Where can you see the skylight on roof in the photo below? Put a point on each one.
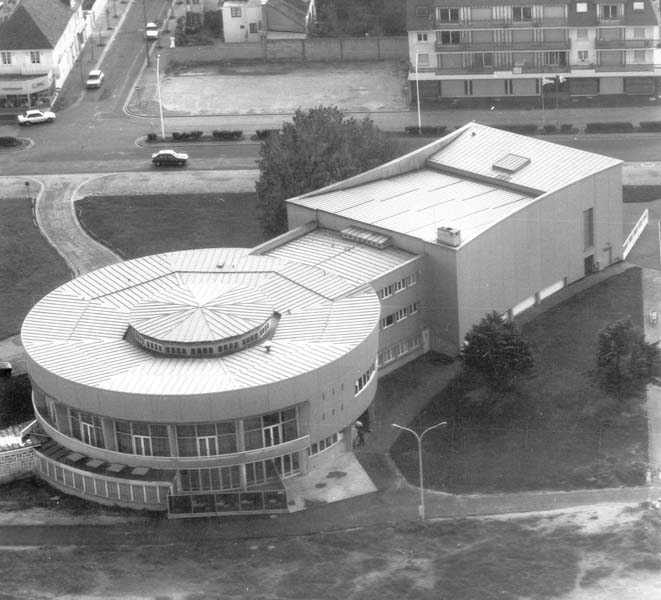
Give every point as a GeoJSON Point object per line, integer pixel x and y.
{"type": "Point", "coordinates": [511, 163]}
{"type": "Point", "coordinates": [356, 234]}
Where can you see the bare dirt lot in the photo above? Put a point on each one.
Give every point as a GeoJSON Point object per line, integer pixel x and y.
{"type": "Point", "coordinates": [250, 89]}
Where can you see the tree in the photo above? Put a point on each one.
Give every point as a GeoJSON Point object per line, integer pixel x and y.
{"type": "Point", "coordinates": [623, 356]}
{"type": "Point", "coordinates": [496, 348]}
{"type": "Point", "coordinates": [315, 149]}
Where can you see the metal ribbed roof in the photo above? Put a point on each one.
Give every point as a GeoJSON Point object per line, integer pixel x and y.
{"type": "Point", "coordinates": [77, 332]}
{"type": "Point", "coordinates": [352, 260]}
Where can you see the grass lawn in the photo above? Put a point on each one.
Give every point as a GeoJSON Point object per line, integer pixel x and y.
{"type": "Point", "coordinates": [557, 429]}
{"type": "Point", "coordinates": [29, 266]}
{"type": "Point", "coordinates": [152, 224]}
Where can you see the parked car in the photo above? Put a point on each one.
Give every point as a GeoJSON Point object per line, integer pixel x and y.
{"type": "Point", "coordinates": [5, 369]}
{"type": "Point", "coordinates": [36, 116]}
{"type": "Point", "coordinates": [94, 79]}
{"type": "Point", "coordinates": [169, 157]}
{"type": "Point", "coordinates": [151, 31]}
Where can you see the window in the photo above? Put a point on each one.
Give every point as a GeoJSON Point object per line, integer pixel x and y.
{"type": "Point", "coordinates": [142, 439]}
{"type": "Point", "coordinates": [468, 87]}
{"type": "Point", "coordinates": [364, 379]}
{"type": "Point", "coordinates": [450, 37]}
{"type": "Point", "coordinates": [638, 6]}
{"type": "Point", "coordinates": [639, 33]}
{"type": "Point", "coordinates": [235, 11]}
{"type": "Point", "coordinates": [388, 321]}
{"type": "Point", "coordinates": [581, 7]}
{"type": "Point", "coordinates": [555, 58]}
{"type": "Point", "coordinates": [421, 11]}
{"type": "Point", "coordinates": [609, 11]}
{"type": "Point", "coordinates": [448, 15]}
{"type": "Point", "coordinates": [583, 56]}
{"type": "Point", "coordinates": [35, 57]}
{"type": "Point", "coordinates": [208, 439]}
{"type": "Point", "coordinates": [509, 86]}
{"type": "Point", "coordinates": [218, 478]}
{"type": "Point", "coordinates": [588, 229]}
{"type": "Point", "coordinates": [521, 13]}
{"type": "Point", "coordinates": [581, 34]}
{"type": "Point", "coordinates": [5, 57]}
{"type": "Point", "coordinates": [253, 27]}
{"type": "Point", "coordinates": [270, 429]}
{"type": "Point", "coordinates": [639, 56]}
{"type": "Point", "coordinates": [423, 60]}
{"type": "Point", "coordinates": [87, 428]}
{"type": "Point", "coordinates": [422, 37]}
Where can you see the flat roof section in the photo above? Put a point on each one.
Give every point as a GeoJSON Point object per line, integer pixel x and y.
{"type": "Point", "coordinates": [420, 202]}
{"type": "Point", "coordinates": [330, 251]}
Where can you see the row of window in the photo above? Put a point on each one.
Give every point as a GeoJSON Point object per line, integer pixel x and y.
{"type": "Point", "coordinates": [364, 379]}
{"type": "Point", "coordinates": [324, 444]}
{"type": "Point", "coordinates": [209, 439]}
{"type": "Point", "coordinates": [398, 286]}
{"type": "Point", "coordinates": [400, 315]}
{"type": "Point", "coordinates": [6, 57]}
{"type": "Point", "coordinates": [400, 349]}
{"type": "Point", "coordinates": [521, 14]}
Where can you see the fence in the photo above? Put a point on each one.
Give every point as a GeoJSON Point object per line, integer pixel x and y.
{"type": "Point", "coordinates": [305, 50]}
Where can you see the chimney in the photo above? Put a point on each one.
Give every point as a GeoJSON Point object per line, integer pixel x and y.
{"type": "Point", "coordinates": [448, 236]}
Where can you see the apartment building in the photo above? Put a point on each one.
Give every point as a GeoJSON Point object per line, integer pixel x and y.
{"type": "Point", "coordinates": [483, 48]}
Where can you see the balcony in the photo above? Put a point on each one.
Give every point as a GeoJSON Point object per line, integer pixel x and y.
{"type": "Point", "coordinates": [515, 69]}
{"type": "Point", "coordinates": [625, 68]}
{"type": "Point", "coordinates": [504, 23]}
{"type": "Point", "coordinates": [623, 44]}
{"type": "Point", "coordinates": [502, 47]}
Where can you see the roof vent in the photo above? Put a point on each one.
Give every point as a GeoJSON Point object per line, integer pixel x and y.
{"type": "Point", "coordinates": [356, 234]}
{"type": "Point", "coordinates": [449, 236]}
{"type": "Point", "coordinates": [511, 163]}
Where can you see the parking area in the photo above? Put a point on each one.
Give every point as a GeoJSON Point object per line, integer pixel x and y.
{"type": "Point", "coordinates": [273, 88]}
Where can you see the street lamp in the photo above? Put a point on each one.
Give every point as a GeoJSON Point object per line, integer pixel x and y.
{"type": "Point", "coordinates": [417, 92]}
{"type": "Point", "coordinates": [144, 17]}
{"type": "Point", "coordinates": [114, 5]}
{"type": "Point", "coordinates": [419, 436]}
{"type": "Point", "coordinates": [158, 89]}
{"type": "Point", "coordinates": [27, 190]}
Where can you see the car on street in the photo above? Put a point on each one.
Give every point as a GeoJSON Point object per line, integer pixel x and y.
{"type": "Point", "coordinates": [35, 116]}
{"type": "Point", "coordinates": [5, 369]}
{"type": "Point", "coordinates": [169, 157]}
{"type": "Point", "coordinates": [151, 31]}
{"type": "Point", "coordinates": [94, 79]}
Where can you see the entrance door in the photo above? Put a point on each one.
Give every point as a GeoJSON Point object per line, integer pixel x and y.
{"type": "Point", "coordinates": [588, 263]}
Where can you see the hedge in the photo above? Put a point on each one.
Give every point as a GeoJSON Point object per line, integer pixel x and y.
{"type": "Point", "coordinates": [8, 141]}
{"type": "Point", "coordinates": [262, 134]}
{"type": "Point", "coordinates": [224, 134]}
{"type": "Point", "coordinates": [650, 125]}
{"type": "Point", "coordinates": [522, 128]}
{"type": "Point", "coordinates": [427, 130]}
{"type": "Point", "coordinates": [609, 127]}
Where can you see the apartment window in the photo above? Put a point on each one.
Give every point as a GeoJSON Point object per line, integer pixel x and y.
{"type": "Point", "coordinates": [422, 11]}
{"type": "Point", "coordinates": [5, 57]}
{"type": "Point", "coordinates": [450, 37]}
{"type": "Point", "coordinates": [253, 27]}
{"type": "Point", "coordinates": [588, 229]}
{"type": "Point", "coordinates": [609, 11]}
{"type": "Point", "coordinates": [388, 321]}
{"type": "Point", "coordinates": [509, 87]}
{"type": "Point", "coordinates": [468, 87]}
{"type": "Point", "coordinates": [582, 56]}
{"type": "Point", "coordinates": [639, 56]}
{"type": "Point", "coordinates": [638, 6]}
{"type": "Point", "coordinates": [422, 37]}
{"type": "Point", "coordinates": [521, 14]}
{"type": "Point", "coordinates": [639, 33]}
{"type": "Point", "coordinates": [555, 58]}
{"type": "Point", "coordinates": [581, 34]}
{"type": "Point", "coordinates": [35, 57]}
{"type": "Point", "coordinates": [423, 60]}
{"type": "Point", "coordinates": [448, 15]}
{"type": "Point", "coordinates": [581, 7]}
{"type": "Point", "coordinates": [235, 12]}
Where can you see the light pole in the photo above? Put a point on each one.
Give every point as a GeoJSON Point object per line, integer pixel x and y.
{"type": "Point", "coordinates": [27, 190]}
{"type": "Point", "coordinates": [419, 436]}
{"type": "Point", "coordinates": [417, 92]}
{"type": "Point", "coordinates": [158, 89]}
{"type": "Point", "coordinates": [114, 5]}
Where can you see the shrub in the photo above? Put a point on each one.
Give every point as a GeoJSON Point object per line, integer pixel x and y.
{"type": "Point", "coordinates": [224, 134]}
{"type": "Point", "coordinates": [176, 135]}
{"type": "Point", "coordinates": [262, 134]}
{"type": "Point", "coordinates": [521, 128]}
{"type": "Point", "coordinates": [152, 137]}
{"type": "Point", "coordinates": [426, 130]}
{"type": "Point", "coordinates": [196, 134]}
{"type": "Point", "coordinates": [8, 141]}
{"type": "Point", "coordinates": [566, 128]}
{"type": "Point", "coordinates": [550, 129]}
{"type": "Point", "coordinates": [650, 125]}
{"type": "Point", "coordinates": [609, 127]}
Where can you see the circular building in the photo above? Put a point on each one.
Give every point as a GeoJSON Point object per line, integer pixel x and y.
{"type": "Point", "coordinates": [198, 382]}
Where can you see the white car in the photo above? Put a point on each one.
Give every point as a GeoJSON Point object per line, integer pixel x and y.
{"type": "Point", "coordinates": [169, 157]}
{"type": "Point", "coordinates": [151, 31]}
{"type": "Point", "coordinates": [35, 116]}
{"type": "Point", "coordinates": [94, 79]}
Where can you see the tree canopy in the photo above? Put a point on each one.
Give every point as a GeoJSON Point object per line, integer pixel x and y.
{"type": "Point", "coordinates": [623, 356]}
{"type": "Point", "coordinates": [317, 148]}
{"type": "Point", "coordinates": [496, 348]}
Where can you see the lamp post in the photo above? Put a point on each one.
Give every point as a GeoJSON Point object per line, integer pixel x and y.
{"type": "Point", "coordinates": [158, 89]}
{"type": "Point", "coordinates": [417, 92]}
{"type": "Point", "coordinates": [114, 6]}
{"type": "Point", "coordinates": [27, 190]}
{"type": "Point", "coordinates": [419, 436]}
{"type": "Point", "coordinates": [144, 17]}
